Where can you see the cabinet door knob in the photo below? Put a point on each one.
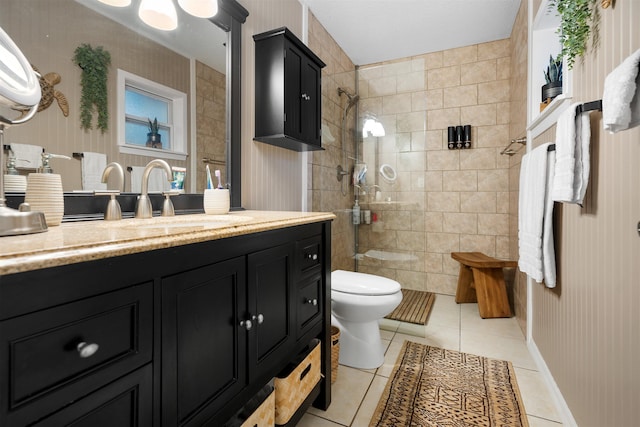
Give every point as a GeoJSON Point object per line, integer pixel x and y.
{"type": "Point", "coordinates": [247, 324]}
{"type": "Point", "coordinates": [311, 301]}
{"type": "Point", "coordinates": [306, 97]}
{"type": "Point", "coordinates": [312, 256]}
{"type": "Point", "coordinates": [87, 350]}
{"type": "Point", "coordinates": [259, 318]}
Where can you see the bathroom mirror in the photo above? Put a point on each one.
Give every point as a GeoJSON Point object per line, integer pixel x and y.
{"type": "Point", "coordinates": [49, 32]}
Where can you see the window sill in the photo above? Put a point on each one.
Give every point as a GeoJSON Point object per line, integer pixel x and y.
{"type": "Point", "coordinates": [152, 152]}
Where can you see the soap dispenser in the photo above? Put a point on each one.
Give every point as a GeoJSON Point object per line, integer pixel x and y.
{"type": "Point", "coordinates": [13, 181]}
{"type": "Point", "coordinates": [356, 213]}
{"type": "Point", "coordinates": [44, 191]}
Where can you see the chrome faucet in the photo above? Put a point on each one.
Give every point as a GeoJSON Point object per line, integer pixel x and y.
{"type": "Point", "coordinates": [113, 211]}
{"type": "Point", "coordinates": [143, 204]}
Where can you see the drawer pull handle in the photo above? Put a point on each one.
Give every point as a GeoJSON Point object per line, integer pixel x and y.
{"type": "Point", "coordinates": [305, 372]}
{"type": "Point", "coordinates": [259, 318]}
{"type": "Point", "coordinates": [311, 301]}
{"type": "Point", "coordinates": [312, 256]}
{"type": "Point", "coordinates": [87, 350]}
{"type": "Point", "coordinates": [247, 324]}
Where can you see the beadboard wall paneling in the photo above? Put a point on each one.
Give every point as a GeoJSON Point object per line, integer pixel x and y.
{"type": "Point", "coordinates": [272, 177]}
{"type": "Point", "coordinates": [587, 328]}
{"type": "Point", "coordinates": [48, 34]}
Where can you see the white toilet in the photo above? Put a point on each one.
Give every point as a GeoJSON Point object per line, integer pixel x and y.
{"type": "Point", "coordinates": [358, 302]}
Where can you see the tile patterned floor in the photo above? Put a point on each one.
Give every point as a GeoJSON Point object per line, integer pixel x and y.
{"type": "Point", "coordinates": [454, 326]}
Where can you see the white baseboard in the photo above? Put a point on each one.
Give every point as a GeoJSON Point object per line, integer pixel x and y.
{"type": "Point", "coordinates": [561, 404]}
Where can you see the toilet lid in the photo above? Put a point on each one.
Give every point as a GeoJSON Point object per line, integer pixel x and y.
{"type": "Point", "coordinates": [362, 284]}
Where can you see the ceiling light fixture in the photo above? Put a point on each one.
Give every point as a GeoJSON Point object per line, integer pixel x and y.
{"type": "Point", "coordinates": [116, 3]}
{"type": "Point", "coordinates": [372, 126]}
{"type": "Point", "coordinates": [200, 8]}
{"type": "Point", "coordinates": [160, 14]}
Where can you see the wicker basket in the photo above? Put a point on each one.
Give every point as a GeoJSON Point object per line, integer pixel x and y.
{"type": "Point", "coordinates": [293, 389]}
{"type": "Point", "coordinates": [335, 353]}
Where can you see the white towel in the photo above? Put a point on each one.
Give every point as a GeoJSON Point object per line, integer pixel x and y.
{"type": "Point", "coordinates": [93, 164]}
{"type": "Point", "coordinates": [573, 139]}
{"type": "Point", "coordinates": [535, 215]}
{"type": "Point", "coordinates": [621, 97]}
{"type": "Point", "coordinates": [27, 156]}
{"type": "Point", "coordinates": [157, 180]}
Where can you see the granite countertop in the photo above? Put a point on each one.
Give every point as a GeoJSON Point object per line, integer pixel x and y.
{"type": "Point", "coordinates": [76, 242]}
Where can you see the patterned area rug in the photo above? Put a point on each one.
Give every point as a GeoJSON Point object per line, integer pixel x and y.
{"type": "Point", "coordinates": [414, 308]}
{"type": "Point", "coordinates": [430, 386]}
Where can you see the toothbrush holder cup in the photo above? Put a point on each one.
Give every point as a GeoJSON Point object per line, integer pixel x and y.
{"type": "Point", "coordinates": [216, 201]}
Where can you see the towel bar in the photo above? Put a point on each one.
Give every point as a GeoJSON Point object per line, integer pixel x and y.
{"type": "Point", "coordinates": [510, 151]}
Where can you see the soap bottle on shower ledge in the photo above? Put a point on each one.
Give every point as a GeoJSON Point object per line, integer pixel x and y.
{"type": "Point", "coordinates": [356, 213]}
{"type": "Point", "coordinates": [44, 191]}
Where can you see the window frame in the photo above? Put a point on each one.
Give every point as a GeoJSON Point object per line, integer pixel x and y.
{"type": "Point", "coordinates": [179, 124]}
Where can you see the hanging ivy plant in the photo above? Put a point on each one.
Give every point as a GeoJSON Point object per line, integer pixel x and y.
{"type": "Point", "coordinates": [95, 67]}
{"type": "Point", "coordinates": [579, 19]}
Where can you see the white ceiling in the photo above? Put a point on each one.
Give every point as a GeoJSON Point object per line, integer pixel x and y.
{"type": "Point", "coordinates": [372, 31]}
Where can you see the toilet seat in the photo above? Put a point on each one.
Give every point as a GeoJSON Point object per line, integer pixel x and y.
{"type": "Point", "coordinates": [350, 282]}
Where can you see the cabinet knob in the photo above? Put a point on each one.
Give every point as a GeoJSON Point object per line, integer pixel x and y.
{"type": "Point", "coordinates": [311, 301]}
{"type": "Point", "coordinates": [247, 324]}
{"type": "Point", "coordinates": [259, 318]}
{"type": "Point", "coordinates": [306, 97]}
{"type": "Point", "coordinates": [87, 350]}
{"type": "Point", "coordinates": [312, 256]}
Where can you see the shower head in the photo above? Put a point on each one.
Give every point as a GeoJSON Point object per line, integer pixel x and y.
{"type": "Point", "coordinates": [353, 98]}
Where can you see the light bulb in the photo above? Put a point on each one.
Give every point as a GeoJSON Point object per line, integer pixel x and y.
{"type": "Point", "coordinates": [200, 8]}
{"type": "Point", "coordinates": [160, 14]}
{"type": "Point", "coordinates": [116, 3]}
{"type": "Point", "coordinates": [378, 129]}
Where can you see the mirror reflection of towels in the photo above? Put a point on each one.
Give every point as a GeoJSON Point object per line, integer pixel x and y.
{"type": "Point", "coordinates": [27, 156]}
{"type": "Point", "coordinates": [93, 164]}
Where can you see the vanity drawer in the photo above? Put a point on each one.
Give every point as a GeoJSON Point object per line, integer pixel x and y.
{"type": "Point", "coordinates": [309, 303]}
{"type": "Point", "coordinates": [309, 253]}
{"type": "Point", "coordinates": [44, 354]}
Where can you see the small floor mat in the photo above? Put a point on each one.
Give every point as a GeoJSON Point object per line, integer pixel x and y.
{"type": "Point", "coordinates": [414, 308]}
{"type": "Point", "coordinates": [431, 386]}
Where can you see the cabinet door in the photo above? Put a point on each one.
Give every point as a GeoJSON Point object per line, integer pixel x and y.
{"type": "Point", "coordinates": [311, 102]}
{"type": "Point", "coordinates": [125, 403]}
{"type": "Point", "coordinates": [293, 92]}
{"type": "Point", "coordinates": [270, 287]}
{"type": "Point", "coordinates": [203, 352]}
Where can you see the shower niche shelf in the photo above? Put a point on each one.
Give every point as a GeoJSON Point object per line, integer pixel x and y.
{"type": "Point", "coordinates": [287, 92]}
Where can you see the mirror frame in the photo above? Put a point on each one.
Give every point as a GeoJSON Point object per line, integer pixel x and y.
{"type": "Point", "coordinates": [230, 17]}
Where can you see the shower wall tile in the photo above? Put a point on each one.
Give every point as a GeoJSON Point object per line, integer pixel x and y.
{"type": "Point", "coordinates": [502, 202]}
{"type": "Point", "coordinates": [479, 115]}
{"type": "Point", "coordinates": [443, 160]}
{"type": "Point", "coordinates": [450, 265]}
{"type": "Point", "coordinates": [493, 180]}
{"type": "Point", "coordinates": [460, 180]}
{"type": "Point", "coordinates": [412, 279]}
{"type": "Point", "coordinates": [419, 141]}
{"type": "Point", "coordinates": [460, 96]}
{"type": "Point", "coordinates": [443, 201]}
{"type": "Point", "coordinates": [491, 136]}
{"type": "Point", "coordinates": [433, 181]}
{"type": "Point", "coordinates": [442, 283]}
{"type": "Point", "coordinates": [503, 68]}
{"type": "Point", "coordinates": [494, 91]}
{"type": "Point", "coordinates": [443, 243]}
{"type": "Point", "coordinates": [435, 99]}
{"type": "Point", "coordinates": [497, 49]}
{"type": "Point", "coordinates": [412, 161]}
{"type": "Point", "coordinates": [455, 222]}
{"type": "Point", "coordinates": [485, 71]}
{"type": "Point", "coordinates": [433, 60]}
{"type": "Point", "coordinates": [410, 122]}
{"type": "Point", "coordinates": [480, 243]}
{"type": "Point", "coordinates": [461, 55]}
{"type": "Point", "coordinates": [411, 81]}
{"type": "Point", "coordinates": [420, 100]}
{"type": "Point", "coordinates": [478, 158]}
{"type": "Point", "coordinates": [433, 221]}
{"type": "Point", "coordinates": [382, 86]}
{"type": "Point", "coordinates": [440, 119]}
{"type": "Point", "coordinates": [495, 224]}
{"type": "Point", "coordinates": [393, 104]}
{"type": "Point", "coordinates": [435, 140]}
{"type": "Point", "coordinates": [411, 240]}
{"type": "Point", "coordinates": [480, 202]}
{"type": "Point", "coordinates": [433, 262]}
{"type": "Point", "coordinates": [503, 114]}
{"type": "Point", "coordinates": [443, 77]}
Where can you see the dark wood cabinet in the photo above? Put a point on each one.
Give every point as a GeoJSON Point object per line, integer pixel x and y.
{"type": "Point", "coordinates": [288, 92]}
{"type": "Point", "coordinates": [184, 336]}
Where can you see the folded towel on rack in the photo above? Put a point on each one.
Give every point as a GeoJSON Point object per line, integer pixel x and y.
{"type": "Point", "coordinates": [535, 216]}
{"type": "Point", "coordinates": [157, 180]}
{"type": "Point", "coordinates": [621, 97]}
{"type": "Point", "coordinates": [572, 166]}
{"type": "Point", "coordinates": [27, 156]}
{"type": "Point", "coordinates": [93, 164]}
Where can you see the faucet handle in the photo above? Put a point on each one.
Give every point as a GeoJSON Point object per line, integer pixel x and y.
{"type": "Point", "coordinates": [167, 205]}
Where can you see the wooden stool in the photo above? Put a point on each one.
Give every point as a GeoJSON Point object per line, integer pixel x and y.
{"type": "Point", "coordinates": [481, 280]}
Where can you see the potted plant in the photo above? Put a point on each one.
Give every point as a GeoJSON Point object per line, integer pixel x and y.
{"type": "Point", "coordinates": [154, 137]}
{"type": "Point", "coordinates": [579, 20]}
{"type": "Point", "coordinates": [553, 77]}
{"type": "Point", "coordinates": [95, 67]}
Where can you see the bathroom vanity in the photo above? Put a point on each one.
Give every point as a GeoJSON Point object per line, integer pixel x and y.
{"type": "Point", "coordinates": [160, 322]}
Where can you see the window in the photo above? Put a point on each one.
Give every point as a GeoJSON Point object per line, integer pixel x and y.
{"type": "Point", "coordinates": [141, 100]}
